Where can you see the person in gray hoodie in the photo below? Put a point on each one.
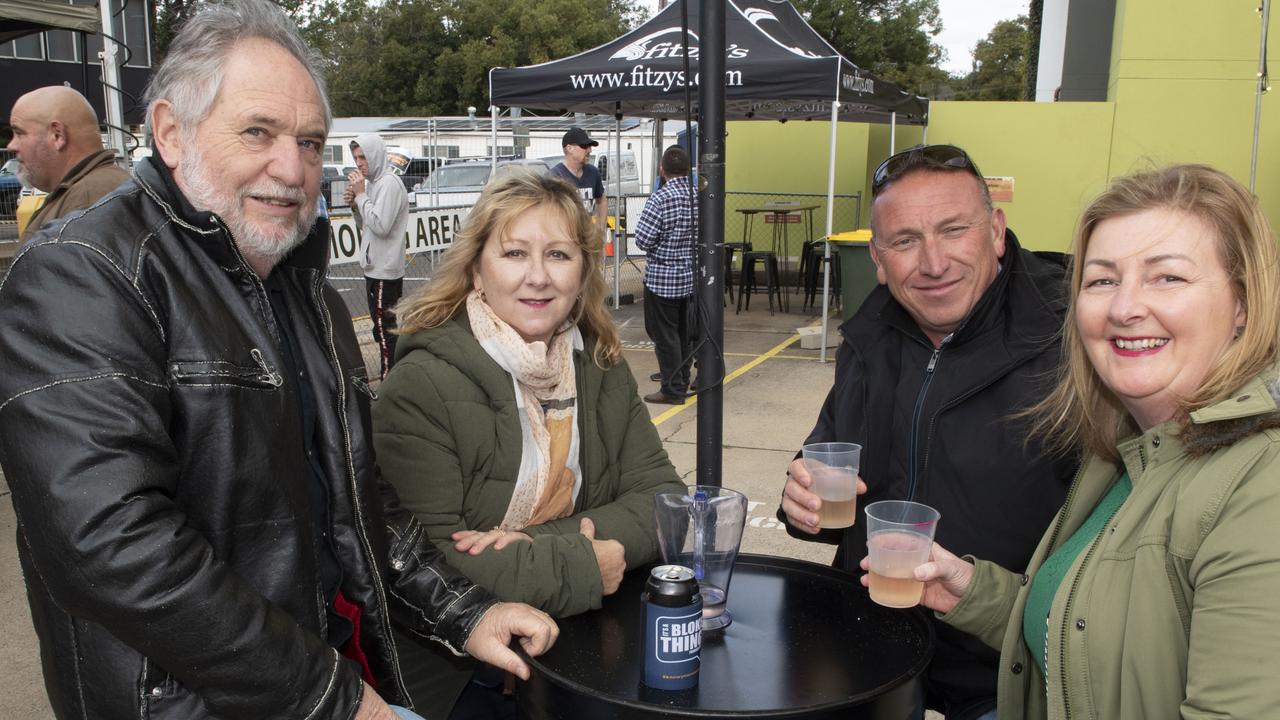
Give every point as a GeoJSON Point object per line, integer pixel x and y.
{"type": "Point", "coordinates": [381, 208]}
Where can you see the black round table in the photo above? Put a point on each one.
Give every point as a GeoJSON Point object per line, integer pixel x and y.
{"type": "Point", "coordinates": [806, 642]}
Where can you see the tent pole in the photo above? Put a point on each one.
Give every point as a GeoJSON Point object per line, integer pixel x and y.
{"type": "Point", "coordinates": [826, 243]}
{"type": "Point", "coordinates": [710, 278]}
{"type": "Point", "coordinates": [493, 138]}
{"type": "Point", "coordinates": [1262, 89]}
{"type": "Point", "coordinates": [893, 133]}
{"type": "Point", "coordinates": [617, 208]}
{"type": "Point", "coordinates": [659, 129]}
{"type": "Point", "coordinates": [111, 82]}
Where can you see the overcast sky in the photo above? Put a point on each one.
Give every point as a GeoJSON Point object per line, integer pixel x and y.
{"type": "Point", "coordinates": [964, 23]}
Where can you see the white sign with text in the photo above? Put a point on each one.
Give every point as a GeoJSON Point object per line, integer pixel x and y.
{"type": "Point", "coordinates": [430, 230]}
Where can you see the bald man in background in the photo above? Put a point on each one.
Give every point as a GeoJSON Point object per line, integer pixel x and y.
{"type": "Point", "coordinates": [56, 138]}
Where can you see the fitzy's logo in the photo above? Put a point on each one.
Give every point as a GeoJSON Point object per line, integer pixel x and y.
{"type": "Point", "coordinates": [657, 45]}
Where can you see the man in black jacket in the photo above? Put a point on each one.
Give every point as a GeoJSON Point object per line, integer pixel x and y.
{"type": "Point", "coordinates": [184, 425]}
{"type": "Point", "coordinates": [962, 334]}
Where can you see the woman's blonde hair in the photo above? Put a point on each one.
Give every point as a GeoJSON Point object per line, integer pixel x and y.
{"type": "Point", "coordinates": [1081, 412]}
{"type": "Point", "coordinates": [501, 202]}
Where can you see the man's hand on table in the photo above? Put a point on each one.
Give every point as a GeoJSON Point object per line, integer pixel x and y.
{"type": "Point", "coordinates": [489, 640]}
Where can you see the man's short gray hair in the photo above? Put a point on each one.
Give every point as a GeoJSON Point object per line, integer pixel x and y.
{"type": "Point", "coordinates": [192, 71]}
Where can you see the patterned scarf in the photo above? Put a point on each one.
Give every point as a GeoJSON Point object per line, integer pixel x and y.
{"type": "Point", "coordinates": [546, 396]}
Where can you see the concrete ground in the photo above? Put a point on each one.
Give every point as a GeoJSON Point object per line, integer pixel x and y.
{"type": "Point", "coordinates": [772, 393]}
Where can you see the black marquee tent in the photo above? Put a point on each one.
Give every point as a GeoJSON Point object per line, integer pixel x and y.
{"type": "Point", "coordinates": [23, 17]}
{"type": "Point", "coordinates": [776, 68]}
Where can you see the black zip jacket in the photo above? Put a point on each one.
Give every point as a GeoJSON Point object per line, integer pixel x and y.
{"type": "Point", "coordinates": [935, 427]}
{"type": "Point", "coordinates": [165, 528]}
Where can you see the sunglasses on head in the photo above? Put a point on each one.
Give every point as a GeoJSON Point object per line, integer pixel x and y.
{"type": "Point", "coordinates": [935, 157]}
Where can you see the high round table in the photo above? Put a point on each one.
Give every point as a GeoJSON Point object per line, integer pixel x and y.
{"type": "Point", "coordinates": [806, 642]}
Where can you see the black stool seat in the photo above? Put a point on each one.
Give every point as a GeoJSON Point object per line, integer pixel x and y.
{"type": "Point", "coordinates": [813, 275]}
{"type": "Point", "coordinates": [729, 249]}
{"type": "Point", "coordinates": [747, 285]}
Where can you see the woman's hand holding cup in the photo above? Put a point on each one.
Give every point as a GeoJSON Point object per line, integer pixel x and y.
{"type": "Point", "coordinates": [946, 579]}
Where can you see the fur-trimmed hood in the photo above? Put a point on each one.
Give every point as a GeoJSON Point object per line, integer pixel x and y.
{"type": "Point", "coordinates": [1251, 409]}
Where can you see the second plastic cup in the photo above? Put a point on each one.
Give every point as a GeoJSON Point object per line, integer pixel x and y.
{"type": "Point", "coordinates": [899, 538]}
{"type": "Point", "coordinates": [833, 467]}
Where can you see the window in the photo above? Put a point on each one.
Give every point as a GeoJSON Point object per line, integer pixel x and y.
{"type": "Point", "coordinates": [502, 150]}
{"type": "Point", "coordinates": [131, 29]}
{"type": "Point", "coordinates": [62, 45]}
{"type": "Point", "coordinates": [134, 20]}
{"type": "Point", "coordinates": [333, 154]}
{"type": "Point", "coordinates": [444, 151]}
{"type": "Point", "coordinates": [26, 48]}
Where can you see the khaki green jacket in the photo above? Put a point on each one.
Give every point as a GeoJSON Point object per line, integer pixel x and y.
{"type": "Point", "coordinates": [447, 436]}
{"type": "Point", "coordinates": [1174, 610]}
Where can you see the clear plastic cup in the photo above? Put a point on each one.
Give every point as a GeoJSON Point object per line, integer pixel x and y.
{"type": "Point", "coordinates": [833, 467]}
{"type": "Point", "coordinates": [899, 538]}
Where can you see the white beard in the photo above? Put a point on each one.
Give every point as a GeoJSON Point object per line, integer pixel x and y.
{"type": "Point", "coordinates": [269, 241]}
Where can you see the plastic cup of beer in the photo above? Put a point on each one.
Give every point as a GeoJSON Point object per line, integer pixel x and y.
{"type": "Point", "coordinates": [899, 538]}
{"type": "Point", "coordinates": [833, 468]}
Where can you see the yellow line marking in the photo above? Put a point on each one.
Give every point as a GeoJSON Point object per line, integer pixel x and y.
{"type": "Point", "coordinates": [730, 377]}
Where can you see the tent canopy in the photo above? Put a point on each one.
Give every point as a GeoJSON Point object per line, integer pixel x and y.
{"type": "Point", "coordinates": [776, 68]}
{"type": "Point", "coordinates": [23, 17]}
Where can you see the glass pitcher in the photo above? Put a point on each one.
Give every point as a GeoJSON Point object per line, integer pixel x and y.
{"type": "Point", "coordinates": [702, 531]}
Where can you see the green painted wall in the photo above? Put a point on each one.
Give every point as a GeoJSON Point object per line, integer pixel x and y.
{"type": "Point", "coordinates": [787, 158]}
{"type": "Point", "coordinates": [1057, 154]}
{"type": "Point", "coordinates": [1182, 89]}
{"type": "Point", "coordinates": [1183, 79]}
{"type": "Point", "coordinates": [768, 156]}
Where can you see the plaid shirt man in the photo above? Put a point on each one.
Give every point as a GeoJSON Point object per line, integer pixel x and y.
{"type": "Point", "coordinates": [665, 234]}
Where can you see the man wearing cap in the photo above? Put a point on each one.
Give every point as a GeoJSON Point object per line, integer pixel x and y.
{"type": "Point", "coordinates": [581, 174]}
{"type": "Point", "coordinates": [961, 334]}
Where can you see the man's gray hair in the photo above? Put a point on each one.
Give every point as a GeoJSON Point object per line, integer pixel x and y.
{"type": "Point", "coordinates": [192, 71]}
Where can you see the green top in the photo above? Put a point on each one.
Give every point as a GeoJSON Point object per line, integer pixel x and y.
{"type": "Point", "coordinates": [1054, 570]}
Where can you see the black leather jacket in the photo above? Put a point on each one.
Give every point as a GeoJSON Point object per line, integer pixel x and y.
{"type": "Point", "coordinates": [936, 426]}
{"type": "Point", "coordinates": [164, 524]}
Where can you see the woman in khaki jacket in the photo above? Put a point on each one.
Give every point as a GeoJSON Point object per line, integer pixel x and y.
{"type": "Point", "coordinates": [1156, 591]}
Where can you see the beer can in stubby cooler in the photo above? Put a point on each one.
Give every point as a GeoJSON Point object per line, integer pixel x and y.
{"type": "Point", "coordinates": [672, 628]}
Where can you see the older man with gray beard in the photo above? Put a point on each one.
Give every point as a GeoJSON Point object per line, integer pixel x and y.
{"type": "Point", "coordinates": [184, 425]}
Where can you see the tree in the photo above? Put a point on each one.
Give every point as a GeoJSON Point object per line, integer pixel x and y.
{"type": "Point", "coordinates": [893, 39]}
{"type": "Point", "coordinates": [1035, 18]}
{"type": "Point", "coordinates": [999, 63]}
{"type": "Point", "coordinates": [430, 57]}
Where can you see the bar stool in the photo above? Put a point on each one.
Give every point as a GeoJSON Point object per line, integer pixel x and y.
{"type": "Point", "coordinates": [806, 259]}
{"type": "Point", "coordinates": [729, 249]}
{"type": "Point", "coordinates": [747, 283]}
{"type": "Point", "coordinates": [813, 276]}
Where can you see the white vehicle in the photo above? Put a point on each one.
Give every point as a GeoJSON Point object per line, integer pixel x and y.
{"type": "Point", "coordinates": [461, 183]}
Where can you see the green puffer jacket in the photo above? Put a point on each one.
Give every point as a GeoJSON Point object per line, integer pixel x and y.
{"type": "Point", "coordinates": [1174, 610]}
{"type": "Point", "coordinates": [447, 435]}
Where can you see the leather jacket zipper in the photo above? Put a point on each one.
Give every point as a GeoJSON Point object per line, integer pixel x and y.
{"type": "Point", "coordinates": [269, 374]}
{"type": "Point", "coordinates": [360, 529]}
